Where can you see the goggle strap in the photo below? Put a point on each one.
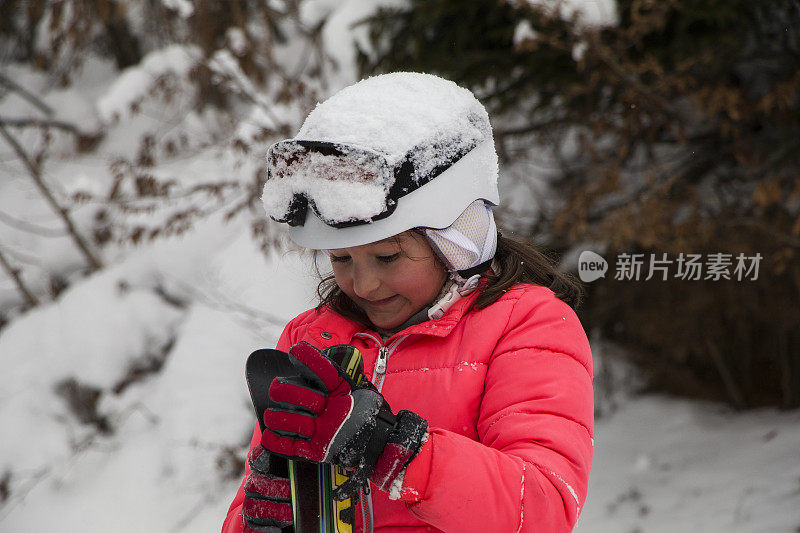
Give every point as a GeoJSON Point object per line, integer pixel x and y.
{"type": "Point", "coordinates": [405, 183]}
{"type": "Point", "coordinates": [477, 269]}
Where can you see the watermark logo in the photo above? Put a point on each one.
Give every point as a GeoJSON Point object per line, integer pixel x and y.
{"type": "Point", "coordinates": [591, 266]}
{"type": "Point", "coordinates": [688, 267]}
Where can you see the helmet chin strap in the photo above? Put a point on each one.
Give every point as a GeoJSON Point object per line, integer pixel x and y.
{"type": "Point", "coordinates": [450, 294]}
{"type": "Point", "coordinates": [455, 292]}
{"type": "Point", "coordinates": [467, 249]}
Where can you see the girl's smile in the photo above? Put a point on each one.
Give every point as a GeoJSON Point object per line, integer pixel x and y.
{"type": "Point", "coordinates": [377, 303]}
{"type": "Point", "coordinates": [390, 279]}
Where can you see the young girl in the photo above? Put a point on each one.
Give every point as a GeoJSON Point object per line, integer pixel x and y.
{"type": "Point", "coordinates": [480, 417]}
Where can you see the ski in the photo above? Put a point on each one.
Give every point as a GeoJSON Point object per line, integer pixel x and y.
{"type": "Point", "coordinates": [261, 368]}
{"type": "Point", "coordinates": [314, 509]}
{"type": "Point", "coordinates": [341, 514]}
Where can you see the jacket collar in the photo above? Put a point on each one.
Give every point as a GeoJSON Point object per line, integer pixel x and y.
{"type": "Point", "coordinates": [342, 330]}
{"type": "Point", "coordinates": [443, 326]}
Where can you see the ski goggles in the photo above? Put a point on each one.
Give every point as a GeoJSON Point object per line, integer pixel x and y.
{"type": "Point", "coordinates": [344, 185]}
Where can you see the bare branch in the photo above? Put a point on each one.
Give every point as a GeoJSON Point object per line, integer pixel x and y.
{"type": "Point", "coordinates": [530, 128]}
{"type": "Point", "coordinates": [631, 81]}
{"type": "Point", "coordinates": [23, 225]}
{"type": "Point", "coordinates": [245, 89]}
{"type": "Point", "coordinates": [84, 140]}
{"type": "Point", "coordinates": [36, 176]}
{"type": "Point", "coordinates": [735, 394]}
{"type": "Point", "coordinates": [27, 95]}
{"type": "Point", "coordinates": [761, 226]}
{"type": "Point", "coordinates": [14, 274]}
{"type": "Point", "coordinates": [40, 123]}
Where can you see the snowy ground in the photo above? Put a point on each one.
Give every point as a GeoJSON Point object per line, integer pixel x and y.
{"type": "Point", "coordinates": [664, 465]}
{"type": "Point", "coordinates": [170, 462]}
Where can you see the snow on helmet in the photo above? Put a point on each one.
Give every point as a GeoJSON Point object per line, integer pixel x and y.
{"type": "Point", "coordinates": [382, 156]}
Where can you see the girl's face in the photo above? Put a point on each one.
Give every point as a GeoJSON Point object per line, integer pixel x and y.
{"type": "Point", "coordinates": [390, 279]}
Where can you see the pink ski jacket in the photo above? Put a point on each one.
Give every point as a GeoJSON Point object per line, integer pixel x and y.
{"type": "Point", "coordinates": [507, 392]}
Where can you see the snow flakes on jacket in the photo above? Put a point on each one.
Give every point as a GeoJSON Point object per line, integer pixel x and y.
{"type": "Point", "coordinates": [507, 391]}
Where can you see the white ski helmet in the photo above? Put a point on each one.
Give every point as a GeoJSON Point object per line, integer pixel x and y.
{"type": "Point", "coordinates": [385, 155]}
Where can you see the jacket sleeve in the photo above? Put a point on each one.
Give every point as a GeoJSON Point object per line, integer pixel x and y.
{"type": "Point", "coordinates": [233, 520]}
{"type": "Point", "coordinates": [530, 469]}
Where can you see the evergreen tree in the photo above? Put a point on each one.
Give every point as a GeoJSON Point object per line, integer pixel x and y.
{"type": "Point", "coordinates": [675, 129]}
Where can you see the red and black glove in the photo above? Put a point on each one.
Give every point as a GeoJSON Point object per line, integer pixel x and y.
{"type": "Point", "coordinates": [323, 416]}
{"type": "Point", "coordinates": [267, 504]}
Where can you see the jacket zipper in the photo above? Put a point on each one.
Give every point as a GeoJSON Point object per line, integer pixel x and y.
{"type": "Point", "coordinates": [380, 364]}
{"type": "Point", "coordinates": [384, 351]}
{"type": "Point", "coordinates": [380, 370]}
{"type": "Point", "coordinates": [366, 517]}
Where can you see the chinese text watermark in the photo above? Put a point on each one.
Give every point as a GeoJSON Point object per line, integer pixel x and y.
{"type": "Point", "coordinates": [689, 267]}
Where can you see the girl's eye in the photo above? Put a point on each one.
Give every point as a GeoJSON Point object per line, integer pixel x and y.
{"type": "Point", "coordinates": [339, 258]}
{"type": "Point", "coordinates": [388, 258]}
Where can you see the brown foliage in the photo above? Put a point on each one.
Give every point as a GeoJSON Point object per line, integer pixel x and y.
{"type": "Point", "coordinates": [675, 130]}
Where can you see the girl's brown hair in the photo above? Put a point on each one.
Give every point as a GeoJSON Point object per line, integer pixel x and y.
{"type": "Point", "coordinates": [517, 261]}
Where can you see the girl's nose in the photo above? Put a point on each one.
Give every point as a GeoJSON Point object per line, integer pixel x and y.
{"type": "Point", "coordinates": [365, 282]}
